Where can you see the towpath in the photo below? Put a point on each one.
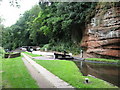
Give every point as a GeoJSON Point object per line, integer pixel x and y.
{"type": "Point", "coordinates": [44, 78]}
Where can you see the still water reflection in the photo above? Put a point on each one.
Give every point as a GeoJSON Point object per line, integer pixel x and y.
{"type": "Point", "coordinates": [107, 72]}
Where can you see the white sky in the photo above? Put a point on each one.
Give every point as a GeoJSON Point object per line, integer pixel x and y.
{"type": "Point", "coordinates": [11, 14]}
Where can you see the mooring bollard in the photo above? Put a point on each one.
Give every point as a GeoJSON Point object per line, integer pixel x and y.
{"type": "Point", "coordinates": [86, 80]}
{"type": "Point", "coordinates": [45, 49]}
{"type": "Point", "coordinates": [81, 53]}
{"type": "Point", "coordinates": [70, 54]}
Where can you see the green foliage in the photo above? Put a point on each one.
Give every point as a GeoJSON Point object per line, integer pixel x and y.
{"type": "Point", "coordinates": [1, 51]}
{"type": "Point", "coordinates": [61, 47]}
{"type": "Point", "coordinates": [48, 46]}
{"type": "Point", "coordinates": [57, 24]}
{"type": "Point", "coordinates": [68, 71]}
{"type": "Point", "coordinates": [61, 25]}
{"type": "Point", "coordinates": [45, 29]}
{"type": "Point", "coordinates": [60, 19]}
{"type": "Point", "coordinates": [23, 33]}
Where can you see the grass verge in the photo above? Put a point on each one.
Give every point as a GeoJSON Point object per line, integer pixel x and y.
{"type": "Point", "coordinates": [33, 55]}
{"type": "Point", "coordinates": [103, 60]}
{"type": "Point", "coordinates": [68, 71]}
{"type": "Point", "coordinates": [16, 75]}
{"type": "Point", "coordinates": [0, 73]}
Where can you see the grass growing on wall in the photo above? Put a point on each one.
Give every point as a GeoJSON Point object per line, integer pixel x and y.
{"type": "Point", "coordinates": [68, 71]}
{"type": "Point", "coordinates": [15, 74]}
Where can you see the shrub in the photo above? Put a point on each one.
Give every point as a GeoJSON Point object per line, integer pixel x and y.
{"type": "Point", "coordinates": [61, 47]}
{"type": "Point", "coordinates": [1, 51]}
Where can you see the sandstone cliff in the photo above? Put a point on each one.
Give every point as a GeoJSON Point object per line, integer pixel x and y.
{"type": "Point", "coordinates": [102, 36]}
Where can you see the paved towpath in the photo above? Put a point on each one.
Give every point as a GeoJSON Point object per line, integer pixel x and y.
{"type": "Point", "coordinates": [43, 53]}
{"type": "Point", "coordinates": [44, 78]}
{"type": "Point", "coordinates": [43, 58]}
{"type": "Point", "coordinates": [41, 81]}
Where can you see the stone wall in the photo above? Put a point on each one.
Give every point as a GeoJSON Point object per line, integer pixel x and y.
{"type": "Point", "coordinates": [102, 35]}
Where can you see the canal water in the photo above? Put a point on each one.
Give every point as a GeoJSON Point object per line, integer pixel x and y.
{"type": "Point", "coordinates": [104, 71]}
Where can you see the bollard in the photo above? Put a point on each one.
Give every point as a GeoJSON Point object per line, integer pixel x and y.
{"type": "Point", "coordinates": [86, 80]}
{"type": "Point", "coordinates": [81, 53]}
{"type": "Point", "coordinates": [45, 49]}
{"type": "Point", "coordinates": [70, 54]}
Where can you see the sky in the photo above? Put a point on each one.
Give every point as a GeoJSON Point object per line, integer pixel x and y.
{"type": "Point", "coordinates": [11, 14]}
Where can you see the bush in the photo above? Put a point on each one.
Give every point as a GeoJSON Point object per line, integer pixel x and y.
{"type": "Point", "coordinates": [1, 51]}
{"type": "Point", "coordinates": [61, 47]}
{"type": "Point", "coordinates": [45, 46]}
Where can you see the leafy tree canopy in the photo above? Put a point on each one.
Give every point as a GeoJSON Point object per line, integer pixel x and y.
{"type": "Point", "coordinates": [52, 23]}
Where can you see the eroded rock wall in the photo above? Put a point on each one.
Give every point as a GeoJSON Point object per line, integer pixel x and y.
{"type": "Point", "coordinates": [101, 38]}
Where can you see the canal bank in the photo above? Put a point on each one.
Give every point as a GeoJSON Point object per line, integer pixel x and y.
{"type": "Point", "coordinates": [48, 80]}
{"type": "Point", "coordinates": [108, 71]}
{"type": "Point", "coordinates": [69, 72]}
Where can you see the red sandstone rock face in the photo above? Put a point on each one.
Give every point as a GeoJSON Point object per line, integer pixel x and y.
{"type": "Point", "coordinates": [102, 36]}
